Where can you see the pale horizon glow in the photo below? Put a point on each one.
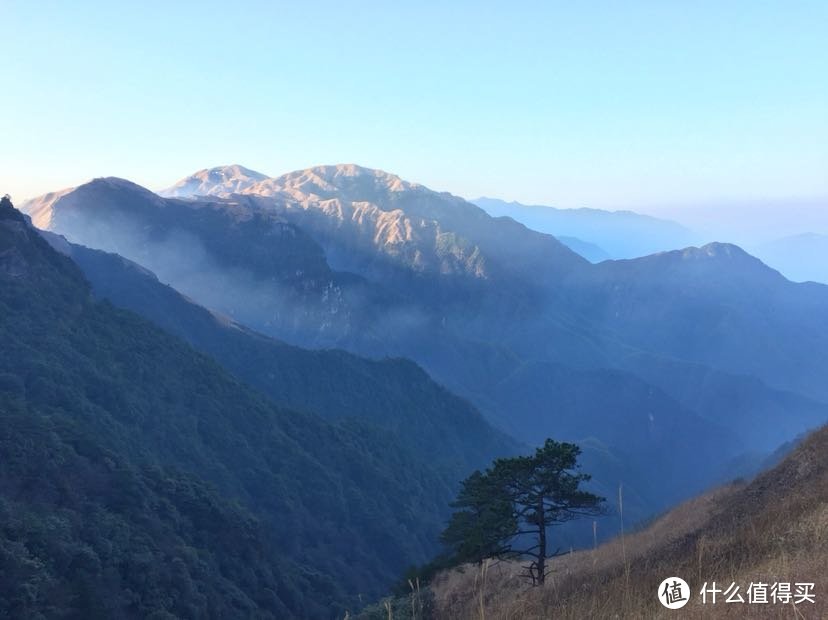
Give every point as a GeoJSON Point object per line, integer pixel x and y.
{"type": "Point", "coordinates": [650, 106]}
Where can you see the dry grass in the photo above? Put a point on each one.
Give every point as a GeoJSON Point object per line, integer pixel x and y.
{"type": "Point", "coordinates": [774, 528]}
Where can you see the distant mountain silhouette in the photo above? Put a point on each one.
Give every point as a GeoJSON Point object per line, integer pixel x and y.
{"type": "Point", "coordinates": [589, 251]}
{"type": "Point", "coordinates": [801, 258]}
{"type": "Point", "coordinates": [621, 234]}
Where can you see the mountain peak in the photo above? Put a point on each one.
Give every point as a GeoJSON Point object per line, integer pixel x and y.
{"type": "Point", "coordinates": [105, 189]}
{"type": "Point", "coordinates": [42, 209]}
{"type": "Point", "coordinates": [345, 171]}
{"type": "Point", "coordinates": [230, 179]}
{"type": "Point", "coordinates": [349, 180]}
{"type": "Point", "coordinates": [115, 183]}
{"type": "Point", "coordinates": [717, 251]}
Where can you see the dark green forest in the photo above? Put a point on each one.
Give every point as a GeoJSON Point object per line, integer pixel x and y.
{"type": "Point", "coordinates": [139, 479]}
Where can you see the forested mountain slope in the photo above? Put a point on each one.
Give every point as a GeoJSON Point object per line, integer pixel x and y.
{"type": "Point", "coordinates": [138, 475]}
{"type": "Point", "coordinates": [394, 394]}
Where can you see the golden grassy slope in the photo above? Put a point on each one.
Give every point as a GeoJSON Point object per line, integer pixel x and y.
{"type": "Point", "coordinates": [773, 529]}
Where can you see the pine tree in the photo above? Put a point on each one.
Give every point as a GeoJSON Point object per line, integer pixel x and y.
{"type": "Point", "coordinates": [517, 500]}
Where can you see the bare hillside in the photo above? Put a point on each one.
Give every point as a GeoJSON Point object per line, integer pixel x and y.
{"type": "Point", "coordinates": [773, 529]}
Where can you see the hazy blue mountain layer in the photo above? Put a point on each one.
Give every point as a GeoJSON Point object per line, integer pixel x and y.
{"type": "Point", "coordinates": [621, 234]}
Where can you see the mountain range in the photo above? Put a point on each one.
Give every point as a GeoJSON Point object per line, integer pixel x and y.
{"type": "Point", "coordinates": [655, 363]}
{"type": "Point", "coordinates": [597, 234]}
{"type": "Point", "coordinates": [141, 478]}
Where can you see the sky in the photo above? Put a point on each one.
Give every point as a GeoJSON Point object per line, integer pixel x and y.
{"type": "Point", "coordinates": [632, 104]}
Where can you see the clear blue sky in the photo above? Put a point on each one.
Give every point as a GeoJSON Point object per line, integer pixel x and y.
{"type": "Point", "coordinates": [570, 103]}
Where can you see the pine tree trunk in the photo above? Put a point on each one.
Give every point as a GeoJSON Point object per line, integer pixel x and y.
{"type": "Point", "coordinates": [541, 543]}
